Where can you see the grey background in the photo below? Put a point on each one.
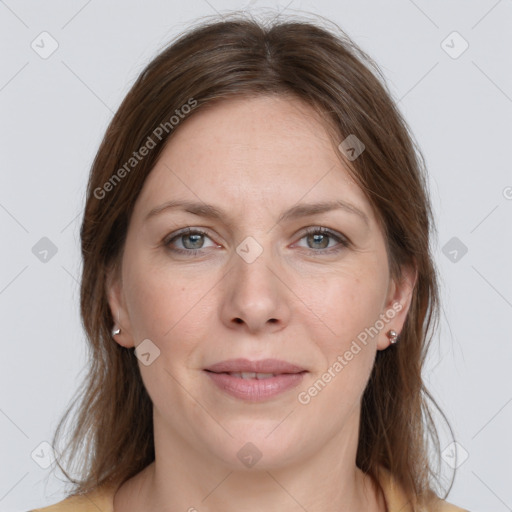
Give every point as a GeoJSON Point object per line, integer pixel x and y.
{"type": "Point", "coordinates": [54, 112]}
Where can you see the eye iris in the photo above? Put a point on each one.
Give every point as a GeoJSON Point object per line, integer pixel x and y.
{"type": "Point", "coordinates": [196, 238]}
{"type": "Point", "coordinates": [319, 238]}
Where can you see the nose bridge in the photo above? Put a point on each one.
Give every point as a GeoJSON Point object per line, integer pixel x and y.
{"type": "Point", "coordinates": [255, 294]}
{"type": "Point", "coordinates": [253, 263]}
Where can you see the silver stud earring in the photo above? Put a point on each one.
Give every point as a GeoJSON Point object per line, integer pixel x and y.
{"type": "Point", "coordinates": [116, 329]}
{"type": "Point", "coordinates": [393, 336]}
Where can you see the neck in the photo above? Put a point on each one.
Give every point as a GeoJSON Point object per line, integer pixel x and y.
{"type": "Point", "coordinates": [183, 478]}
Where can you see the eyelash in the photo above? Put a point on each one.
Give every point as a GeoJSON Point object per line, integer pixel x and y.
{"type": "Point", "coordinates": [343, 241]}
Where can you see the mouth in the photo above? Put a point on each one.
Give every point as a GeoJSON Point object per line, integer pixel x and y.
{"type": "Point", "coordinates": [255, 381]}
{"type": "Point", "coordinates": [261, 367]}
{"type": "Point", "coordinates": [250, 375]}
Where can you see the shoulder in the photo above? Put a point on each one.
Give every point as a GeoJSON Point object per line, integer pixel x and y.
{"type": "Point", "coordinates": [101, 498]}
{"type": "Point", "coordinates": [444, 506]}
{"type": "Point", "coordinates": [397, 500]}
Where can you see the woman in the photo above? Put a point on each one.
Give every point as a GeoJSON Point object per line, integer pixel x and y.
{"type": "Point", "coordinates": [257, 230]}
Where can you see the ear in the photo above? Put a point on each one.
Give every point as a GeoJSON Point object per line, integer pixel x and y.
{"type": "Point", "coordinates": [398, 302]}
{"type": "Point", "coordinates": [117, 303]}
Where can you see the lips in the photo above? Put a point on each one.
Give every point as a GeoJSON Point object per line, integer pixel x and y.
{"type": "Point", "coordinates": [255, 381]}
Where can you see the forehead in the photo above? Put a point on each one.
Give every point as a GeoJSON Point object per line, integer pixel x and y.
{"type": "Point", "coordinates": [269, 148]}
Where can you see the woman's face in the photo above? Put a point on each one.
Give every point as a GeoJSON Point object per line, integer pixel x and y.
{"type": "Point", "coordinates": [261, 274]}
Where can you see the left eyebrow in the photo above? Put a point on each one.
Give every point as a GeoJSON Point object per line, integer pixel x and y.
{"type": "Point", "coordinates": [298, 211]}
{"type": "Point", "coordinates": [309, 209]}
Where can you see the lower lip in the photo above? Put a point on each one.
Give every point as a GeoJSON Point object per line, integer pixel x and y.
{"type": "Point", "coordinates": [254, 390]}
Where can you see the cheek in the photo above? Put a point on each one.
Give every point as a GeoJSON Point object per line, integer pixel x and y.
{"type": "Point", "coordinates": [347, 305]}
{"type": "Point", "coordinates": [347, 308]}
{"type": "Point", "coordinates": [172, 309]}
{"type": "Point", "coordinates": [166, 306]}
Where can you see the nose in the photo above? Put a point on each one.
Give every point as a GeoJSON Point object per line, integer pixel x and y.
{"type": "Point", "coordinates": [255, 298]}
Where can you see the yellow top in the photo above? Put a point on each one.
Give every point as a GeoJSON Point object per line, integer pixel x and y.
{"type": "Point", "coordinates": [102, 499]}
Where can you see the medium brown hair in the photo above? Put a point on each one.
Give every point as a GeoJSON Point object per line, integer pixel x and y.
{"type": "Point", "coordinates": [112, 435]}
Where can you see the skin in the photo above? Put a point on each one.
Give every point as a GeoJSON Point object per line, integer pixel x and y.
{"type": "Point", "coordinates": [303, 300]}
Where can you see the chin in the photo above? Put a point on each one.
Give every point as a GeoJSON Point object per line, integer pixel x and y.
{"type": "Point", "coordinates": [259, 445]}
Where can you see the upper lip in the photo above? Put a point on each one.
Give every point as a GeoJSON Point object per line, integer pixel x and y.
{"type": "Point", "coordinates": [262, 366]}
